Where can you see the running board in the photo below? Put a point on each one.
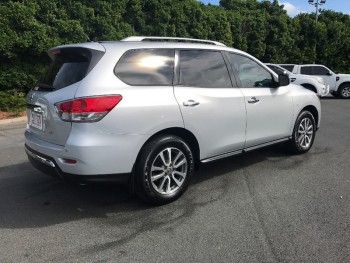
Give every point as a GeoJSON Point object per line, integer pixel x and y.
{"type": "Point", "coordinates": [251, 148]}
{"type": "Point", "coordinates": [217, 157]}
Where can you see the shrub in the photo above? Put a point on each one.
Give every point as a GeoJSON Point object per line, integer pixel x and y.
{"type": "Point", "coordinates": [12, 101]}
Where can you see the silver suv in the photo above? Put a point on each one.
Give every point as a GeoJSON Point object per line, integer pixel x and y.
{"type": "Point", "coordinates": [147, 113]}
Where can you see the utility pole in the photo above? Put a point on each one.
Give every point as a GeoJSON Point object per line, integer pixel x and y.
{"type": "Point", "coordinates": [317, 4]}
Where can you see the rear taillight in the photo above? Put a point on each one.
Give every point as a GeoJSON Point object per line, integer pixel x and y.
{"type": "Point", "coordinates": [88, 109]}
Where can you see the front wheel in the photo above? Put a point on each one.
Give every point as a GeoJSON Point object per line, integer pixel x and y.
{"type": "Point", "coordinates": [164, 169]}
{"type": "Point", "coordinates": [303, 133]}
{"type": "Point", "coordinates": [334, 93]}
{"type": "Point", "coordinates": [344, 91]}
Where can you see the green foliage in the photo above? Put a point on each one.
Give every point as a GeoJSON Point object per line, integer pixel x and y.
{"type": "Point", "coordinates": [28, 28]}
{"type": "Point", "coordinates": [12, 101]}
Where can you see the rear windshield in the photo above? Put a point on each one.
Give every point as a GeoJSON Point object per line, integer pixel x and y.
{"type": "Point", "coordinates": [68, 66]}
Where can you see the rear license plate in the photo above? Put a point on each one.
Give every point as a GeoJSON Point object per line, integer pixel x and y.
{"type": "Point", "coordinates": [36, 120]}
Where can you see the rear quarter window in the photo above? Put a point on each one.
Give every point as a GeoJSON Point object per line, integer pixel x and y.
{"type": "Point", "coordinates": [146, 67]}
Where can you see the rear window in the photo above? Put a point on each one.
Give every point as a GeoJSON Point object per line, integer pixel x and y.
{"type": "Point", "coordinates": [68, 66]}
{"type": "Point", "coordinates": [146, 67]}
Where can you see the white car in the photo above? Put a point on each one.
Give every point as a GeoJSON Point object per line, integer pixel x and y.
{"type": "Point", "coordinates": [313, 83]}
{"type": "Point", "coordinates": [339, 84]}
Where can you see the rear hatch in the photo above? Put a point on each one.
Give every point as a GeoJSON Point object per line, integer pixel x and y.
{"type": "Point", "coordinates": [69, 66]}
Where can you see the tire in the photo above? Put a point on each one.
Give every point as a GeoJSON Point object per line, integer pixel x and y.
{"type": "Point", "coordinates": [303, 133]}
{"type": "Point", "coordinates": [164, 169]}
{"type": "Point", "coordinates": [344, 91]}
{"type": "Point", "coordinates": [334, 93]}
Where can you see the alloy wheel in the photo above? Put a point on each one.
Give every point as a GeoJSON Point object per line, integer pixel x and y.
{"type": "Point", "coordinates": [346, 92]}
{"type": "Point", "coordinates": [305, 133]}
{"type": "Point", "coordinates": [168, 171]}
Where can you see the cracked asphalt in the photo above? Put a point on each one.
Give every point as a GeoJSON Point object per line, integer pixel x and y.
{"type": "Point", "coordinates": [263, 206]}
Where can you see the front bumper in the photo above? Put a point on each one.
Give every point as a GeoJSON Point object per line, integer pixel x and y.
{"type": "Point", "coordinates": [326, 92]}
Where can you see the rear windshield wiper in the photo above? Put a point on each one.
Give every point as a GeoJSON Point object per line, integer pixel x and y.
{"type": "Point", "coordinates": [43, 87]}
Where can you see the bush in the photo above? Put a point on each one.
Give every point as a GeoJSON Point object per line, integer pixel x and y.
{"type": "Point", "coordinates": [12, 101]}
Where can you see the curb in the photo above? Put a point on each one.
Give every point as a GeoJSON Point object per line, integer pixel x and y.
{"type": "Point", "coordinates": [14, 120]}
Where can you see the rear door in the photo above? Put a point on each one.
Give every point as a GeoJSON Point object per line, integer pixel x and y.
{"type": "Point", "coordinates": [59, 83]}
{"type": "Point", "coordinates": [212, 109]}
{"type": "Point", "coordinates": [269, 108]}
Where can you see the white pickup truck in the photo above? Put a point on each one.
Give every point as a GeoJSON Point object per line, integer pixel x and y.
{"type": "Point", "coordinates": [339, 84]}
{"type": "Point", "coordinates": [313, 83]}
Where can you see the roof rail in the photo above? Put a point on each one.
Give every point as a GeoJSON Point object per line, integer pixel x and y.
{"type": "Point", "coordinates": [180, 39]}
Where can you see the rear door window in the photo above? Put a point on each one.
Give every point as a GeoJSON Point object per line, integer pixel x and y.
{"type": "Point", "coordinates": [203, 68]}
{"type": "Point", "coordinates": [146, 67]}
{"type": "Point", "coordinates": [306, 70]}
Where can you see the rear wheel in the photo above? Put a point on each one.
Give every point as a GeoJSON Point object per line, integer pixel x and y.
{"type": "Point", "coordinates": [164, 169]}
{"type": "Point", "coordinates": [303, 133]}
{"type": "Point", "coordinates": [344, 91]}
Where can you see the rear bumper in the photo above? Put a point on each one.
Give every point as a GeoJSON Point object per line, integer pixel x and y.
{"type": "Point", "coordinates": [48, 165]}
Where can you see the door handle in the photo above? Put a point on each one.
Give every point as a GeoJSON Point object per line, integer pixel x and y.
{"type": "Point", "coordinates": [190, 103]}
{"type": "Point", "coordinates": [253, 100]}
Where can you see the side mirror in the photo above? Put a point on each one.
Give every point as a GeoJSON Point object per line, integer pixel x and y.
{"type": "Point", "coordinates": [283, 80]}
{"type": "Point", "coordinates": [329, 73]}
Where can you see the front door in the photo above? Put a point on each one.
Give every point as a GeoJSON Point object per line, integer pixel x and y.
{"type": "Point", "coordinates": [269, 108]}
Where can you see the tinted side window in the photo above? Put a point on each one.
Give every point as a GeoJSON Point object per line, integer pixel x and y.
{"type": "Point", "coordinates": [317, 70]}
{"type": "Point", "coordinates": [201, 68]}
{"type": "Point", "coordinates": [146, 67]}
{"type": "Point", "coordinates": [306, 70]}
{"type": "Point", "coordinates": [250, 73]}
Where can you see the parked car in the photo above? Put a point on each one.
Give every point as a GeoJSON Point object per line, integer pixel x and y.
{"type": "Point", "coordinates": [339, 84]}
{"type": "Point", "coordinates": [147, 113]}
{"type": "Point", "coordinates": [315, 84]}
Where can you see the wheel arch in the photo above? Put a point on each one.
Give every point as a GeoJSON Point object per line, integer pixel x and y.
{"type": "Point", "coordinates": [340, 90]}
{"type": "Point", "coordinates": [309, 87]}
{"type": "Point", "coordinates": [184, 134]}
{"type": "Point", "coordinates": [343, 84]}
{"type": "Point", "coordinates": [313, 111]}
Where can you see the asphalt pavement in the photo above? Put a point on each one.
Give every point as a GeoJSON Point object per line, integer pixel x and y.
{"type": "Point", "coordinates": [263, 206]}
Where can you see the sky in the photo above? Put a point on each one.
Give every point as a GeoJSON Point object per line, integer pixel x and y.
{"type": "Point", "coordinates": [295, 7]}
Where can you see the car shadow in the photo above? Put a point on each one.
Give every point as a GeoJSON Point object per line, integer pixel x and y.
{"type": "Point", "coordinates": [30, 199]}
{"type": "Point", "coordinates": [330, 97]}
